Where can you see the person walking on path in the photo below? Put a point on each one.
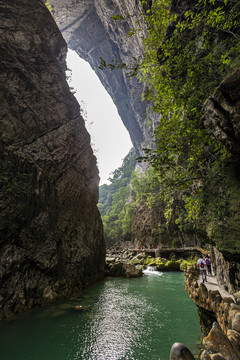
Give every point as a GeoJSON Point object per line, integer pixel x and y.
{"type": "Point", "coordinates": [208, 263]}
{"type": "Point", "coordinates": [202, 267]}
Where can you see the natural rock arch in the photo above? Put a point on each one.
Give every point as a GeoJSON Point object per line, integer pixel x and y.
{"type": "Point", "coordinates": [88, 29]}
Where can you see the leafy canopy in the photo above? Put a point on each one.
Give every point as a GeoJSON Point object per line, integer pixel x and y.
{"type": "Point", "coordinates": [186, 56]}
{"type": "Point", "coordinates": [115, 204]}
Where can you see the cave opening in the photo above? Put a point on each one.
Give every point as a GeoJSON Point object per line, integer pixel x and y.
{"type": "Point", "coordinates": [109, 138]}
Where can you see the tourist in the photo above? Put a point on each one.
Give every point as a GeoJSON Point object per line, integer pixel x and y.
{"type": "Point", "coordinates": [208, 263]}
{"type": "Point", "coordinates": [202, 267]}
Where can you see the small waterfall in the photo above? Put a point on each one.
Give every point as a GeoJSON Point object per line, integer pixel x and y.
{"type": "Point", "coordinates": [152, 270]}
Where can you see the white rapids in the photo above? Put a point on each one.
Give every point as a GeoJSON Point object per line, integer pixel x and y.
{"type": "Point", "coordinates": [151, 270]}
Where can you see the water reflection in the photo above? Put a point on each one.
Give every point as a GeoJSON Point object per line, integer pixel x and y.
{"type": "Point", "coordinates": [117, 323]}
{"type": "Point", "coordinates": [127, 319]}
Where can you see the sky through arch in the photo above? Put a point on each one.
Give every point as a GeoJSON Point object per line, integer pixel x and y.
{"type": "Point", "coordinates": [110, 139]}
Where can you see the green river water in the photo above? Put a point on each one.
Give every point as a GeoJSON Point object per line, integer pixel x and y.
{"type": "Point", "coordinates": [128, 319]}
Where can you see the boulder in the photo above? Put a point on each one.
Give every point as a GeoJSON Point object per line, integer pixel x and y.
{"type": "Point", "coordinates": [124, 270]}
{"type": "Point", "coordinates": [180, 352]}
{"type": "Point", "coordinates": [218, 343]}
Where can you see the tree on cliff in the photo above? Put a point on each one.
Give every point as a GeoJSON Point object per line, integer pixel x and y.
{"type": "Point", "coordinates": [189, 50]}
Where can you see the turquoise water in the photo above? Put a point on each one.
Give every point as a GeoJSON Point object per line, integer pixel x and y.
{"type": "Point", "coordinates": [130, 319]}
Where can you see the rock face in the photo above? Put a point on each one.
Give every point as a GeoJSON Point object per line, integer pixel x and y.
{"type": "Point", "coordinates": [150, 227]}
{"type": "Point", "coordinates": [51, 234]}
{"type": "Point", "coordinates": [180, 352]}
{"type": "Point", "coordinates": [223, 341]}
{"type": "Point", "coordinates": [88, 28]}
{"type": "Point", "coordinates": [121, 269]}
{"type": "Point", "coordinates": [227, 272]}
{"type": "Point", "coordinates": [222, 113]}
{"type": "Point", "coordinates": [148, 223]}
{"type": "Point", "coordinates": [221, 119]}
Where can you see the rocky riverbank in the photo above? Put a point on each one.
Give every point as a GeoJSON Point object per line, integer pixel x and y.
{"type": "Point", "coordinates": [223, 340]}
{"type": "Point", "coordinates": [219, 310]}
{"type": "Point", "coordinates": [141, 259]}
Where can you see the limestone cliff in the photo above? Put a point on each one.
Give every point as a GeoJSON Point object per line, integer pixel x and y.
{"type": "Point", "coordinates": [222, 113]}
{"type": "Point", "coordinates": [221, 119]}
{"type": "Point", "coordinates": [88, 28]}
{"type": "Point", "coordinates": [226, 270]}
{"type": "Point", "coordinates": [51, 234]}
{"type": "Point", "coordinates": [150, 227]}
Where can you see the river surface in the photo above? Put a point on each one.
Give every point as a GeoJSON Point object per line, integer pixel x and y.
{"type": "Point", "coordinates": [127, 319]}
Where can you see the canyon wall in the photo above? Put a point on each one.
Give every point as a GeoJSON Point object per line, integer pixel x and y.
{"type": "Point", "coordinates": [51, 236]}
{"type": "Point", "coordinates": [221, 119]}
{"type": "Point", "coordinates": [89, 29]}
{"type": "Point", "coordinates": [150, 227]}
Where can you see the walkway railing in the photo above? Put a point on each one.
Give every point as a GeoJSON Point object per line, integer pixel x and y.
{"type": "Point", "coordinates": [167, 252]}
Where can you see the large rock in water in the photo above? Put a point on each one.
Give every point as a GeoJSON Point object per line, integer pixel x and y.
{"type": "Point", "coordinates": [180, 352]}
{"type": "Point", "coordinates": [123, 269]}
{"type": "Point", "coordinates": [51, 238]}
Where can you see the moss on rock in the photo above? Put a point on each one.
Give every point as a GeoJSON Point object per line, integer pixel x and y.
{"type": "Point", "coordinates": [169, 265]}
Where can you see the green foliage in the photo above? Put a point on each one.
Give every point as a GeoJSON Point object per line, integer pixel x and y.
{"type": "Point", "coordinates": [131, 70]}
{"type": "Point", "coordinates": [144, 186]}
{"type": "Point", "coordinates": [170, 265]}
{"type": "Point", "coordinates": [185, 59]}
{"type": "Point", "coordinates": [186, 264]}
{"type": "Point", "coordinates": [115, 204]}
{"type": "Point", "coordinates": [150, 261]}
{"type": "Point", "coordinates": [186, 56]}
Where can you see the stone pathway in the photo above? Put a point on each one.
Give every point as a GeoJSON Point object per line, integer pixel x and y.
{"type": "Point", "coordinates": [212, 284]}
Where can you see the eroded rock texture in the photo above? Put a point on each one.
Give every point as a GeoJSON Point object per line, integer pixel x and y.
{"type": "Point", "coordinates": [222, 120]}
{"type": "Point", "coordinates": [150, 227]}
{"type": "Point", "coordinates": [88, 28]}
{"type": "Point", "coordinates": [227, 272]}
{"type": "Point", "coordinates": [222, 113]}
{"type": "Point", "coordinates": [50, 231]}
{"type": "Point", "coordinates": [223, 341]}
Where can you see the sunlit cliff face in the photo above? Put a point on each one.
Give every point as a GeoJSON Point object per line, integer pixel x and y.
{"type": "Point", "coordinates": [88, 28]}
